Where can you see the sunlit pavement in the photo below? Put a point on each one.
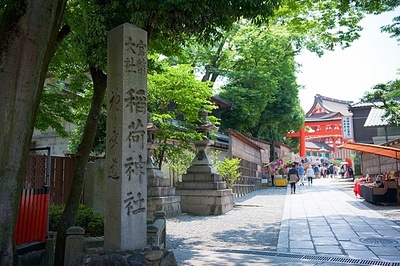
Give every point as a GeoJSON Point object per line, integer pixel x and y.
{"type": "Point", "coordinates": [321, 225]}
{"type": "Point", "coordinates": [321, 220]}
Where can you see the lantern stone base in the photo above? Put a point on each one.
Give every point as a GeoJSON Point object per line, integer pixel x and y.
{"type": "Point", "coordinates": [206, 202]}
{"type": "Point", "coordinates": [204, 193]}
{"type": "Point", "coordinates": [170, 204]}
{"type": "Point", "coordinates": [162, 197]}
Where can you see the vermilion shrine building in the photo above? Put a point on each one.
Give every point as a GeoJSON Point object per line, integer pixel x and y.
{"type": "Point", "coordinates": [328, 124]}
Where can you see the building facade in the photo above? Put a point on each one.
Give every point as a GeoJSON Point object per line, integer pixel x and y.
{"type": "Point", "coordinates": [323, 128]}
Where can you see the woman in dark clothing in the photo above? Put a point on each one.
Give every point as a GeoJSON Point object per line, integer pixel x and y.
{"type": "Point", "coordinates": [293, 177]}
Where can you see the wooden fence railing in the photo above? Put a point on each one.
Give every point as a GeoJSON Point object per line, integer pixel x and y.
{"type": "Point", "coordinates": [60, 180]}
{"type": "Point", "coordinates": [246, 184]}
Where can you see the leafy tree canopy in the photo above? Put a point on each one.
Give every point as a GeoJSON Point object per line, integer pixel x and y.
{"type": "Point", "coordinates": [321, 25]}
{"type": "Point", "coordinates": [175, 98]}
{"type": "Point", "coordinates": [258, 68]}
{"type": "Point", "coordinates": [393, 29]}
{"type": "Point", "coordinates": [386, 97]}
{"type": "Point", "coordinates": [168, 25]}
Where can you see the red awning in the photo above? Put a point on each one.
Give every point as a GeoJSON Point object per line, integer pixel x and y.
{"type": "Point", "coordinates": [374, 149]}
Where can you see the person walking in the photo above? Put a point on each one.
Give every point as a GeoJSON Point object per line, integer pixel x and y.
{"type": "Point", "coordinates": [310, 175]}
{"type": "Point", "coordinates": [316, 171]}
{"type": "Point", "coordinates": [300, 169]}
{"type": "Point", "coordinates": [331, 171]}
{"type": "Point", "coordinates": [351, 172]}
{"type": "Point", "coordinates": [293, 178]}
{"type": "Point", "coordinates": [272, 173]}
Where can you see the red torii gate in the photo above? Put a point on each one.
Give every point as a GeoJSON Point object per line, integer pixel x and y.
{"type": "Point", "coordinates": [322, 130]}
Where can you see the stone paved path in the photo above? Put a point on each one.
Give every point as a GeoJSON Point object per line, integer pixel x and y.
{"type": "Point", "coordinates": [322, 224]}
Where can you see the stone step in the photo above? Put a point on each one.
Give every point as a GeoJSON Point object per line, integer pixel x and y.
{"type": "Point", "coordinates": [160, 191]}
{"type": "Point", "coordinates": [201, 185]}
{"type": "Point", "coordinates": [198, 177]}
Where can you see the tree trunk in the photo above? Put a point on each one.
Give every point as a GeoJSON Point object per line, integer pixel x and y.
{"type": "Point", "coordinates": [82, 157]}
{"type": "Point", "coordinates": [27, 43]}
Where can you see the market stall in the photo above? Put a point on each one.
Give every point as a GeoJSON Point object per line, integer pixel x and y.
{"type": "Point", "coordinates": [278, 166]}
{"type": "Point", "coordinates": [383, 185]}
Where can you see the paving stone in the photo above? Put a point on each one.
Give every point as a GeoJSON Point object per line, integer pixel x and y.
{"type": "Point", "coordinates": [311, 212]}
{"type": "Point", "coordinates": [328, 249]}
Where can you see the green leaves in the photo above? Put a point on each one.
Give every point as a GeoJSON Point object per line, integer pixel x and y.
{"type": "Point", "coordinates": [319, 25]}
{"type": "Point", "coordinates": [176, 92]}
{"type": "Point", "coordinates": [175, 95]}
{"type": "Point", "coordinates": [176, 19]}
{"type": "Point", "coordinates": [228, 169]}
{"type": "Point", "coordinates": [55, 109]}
{"type": "Point", "coordinates": [175, 99]}
{"type": "Point", "coordinates": [386, 97]}
{"type": "Point", "coordinates": [393, 29]}
{"type": "Point", "coordinates": [261, 83]}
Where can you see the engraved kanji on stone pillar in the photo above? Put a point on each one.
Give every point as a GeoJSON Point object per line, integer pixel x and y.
{"type": "Point", "coordinates": [126, 147]}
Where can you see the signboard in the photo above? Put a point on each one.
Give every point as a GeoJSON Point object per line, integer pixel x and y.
{"type": "Point", "coordinates": [347, 127]}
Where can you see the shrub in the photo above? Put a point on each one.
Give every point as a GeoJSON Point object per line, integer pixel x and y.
{"type": "Point", "coordinates": [55, 215]}
{"type": "Point", "coordinates": [93, 223]}
{"type": "Point", "coordinates": [229, 170]}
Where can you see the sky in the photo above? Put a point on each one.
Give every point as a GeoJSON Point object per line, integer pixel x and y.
{"type": "Point", "coordinates": [347, 74]}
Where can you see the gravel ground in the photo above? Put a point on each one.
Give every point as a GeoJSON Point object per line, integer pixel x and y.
{"type": "Point", "coordinates": [254, 222]}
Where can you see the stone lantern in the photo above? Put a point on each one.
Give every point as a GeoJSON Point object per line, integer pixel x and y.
{"type": "Point", "coordinates": [160, 195]}
{"type": "Point", "coordinates": [202, 190]}
{"type": "Point", "coordinates": [202, 163]}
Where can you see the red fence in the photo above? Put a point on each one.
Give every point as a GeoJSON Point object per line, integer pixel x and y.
{"type": "Point", "coordinates": [33, 216]}
{"type": "Point", "coordinates": [47, 182]}
{"type": "Point", "coordinates": [32, 221]}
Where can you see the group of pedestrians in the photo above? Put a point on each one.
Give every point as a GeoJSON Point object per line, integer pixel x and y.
{"type": "Point", "coordinates": [299, 175]}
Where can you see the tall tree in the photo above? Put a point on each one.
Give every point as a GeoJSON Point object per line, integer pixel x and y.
{"type": "Point", "coordinates": [168, 24]}
{"type": "Point", "coordinates": [29, 33]}
{"type": "Point", "coordinates": [258, 69]}
{"type": "Point", "coordinates": [262, 84]}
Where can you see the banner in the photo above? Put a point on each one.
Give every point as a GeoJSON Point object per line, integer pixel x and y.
{"type": "Point", "coordinates": [286, 160]}
{"type": "Point", "coordinates": [313, 160]}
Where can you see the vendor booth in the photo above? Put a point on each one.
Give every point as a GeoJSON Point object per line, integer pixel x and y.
{"type": "Point", "coordinates": [381, 184]}
{"type": "Point", "coordinates": [279, 166]}
{"type": "Point", "coordinates": [314, 160]}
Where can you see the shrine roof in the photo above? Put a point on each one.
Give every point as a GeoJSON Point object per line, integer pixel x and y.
{"type": "Point", "coordinates": [324, 107]}
{"type": "Point", "coordinates": [361, 104]}
{"type": "Point", "coordinates": [376, 118]}
{"type": "Point", "coordinates": [222, 103]}
{"type": "Point", "coordinates": [316, 145]}
{"type": "Point", "coordinates": [318, 118]}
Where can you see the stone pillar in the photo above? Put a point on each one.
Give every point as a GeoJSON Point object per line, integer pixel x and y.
{"type": "Point", "coordinates": [74, 245]}
{"type": "Point", "coordinates": [126, 177]}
